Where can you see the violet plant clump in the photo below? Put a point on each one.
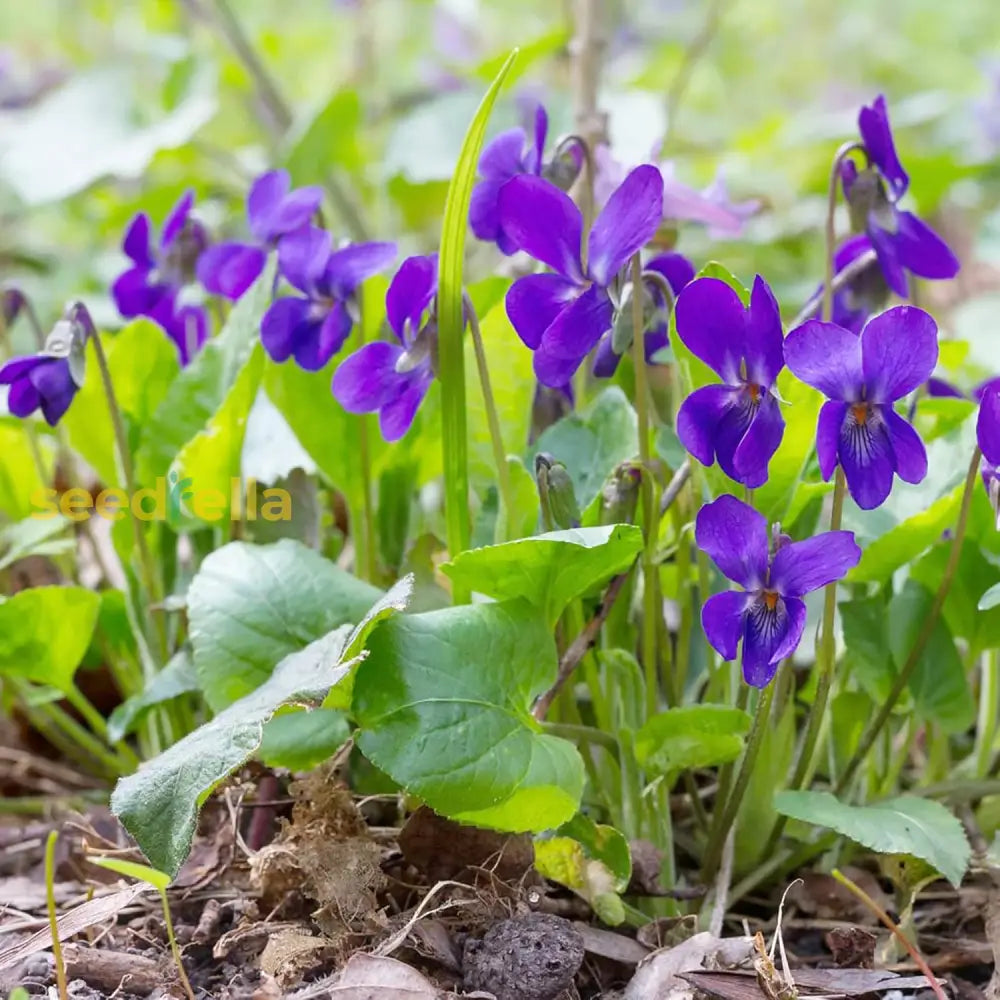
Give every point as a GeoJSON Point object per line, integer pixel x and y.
{"type": "Point", "coordinates": [618, 556]}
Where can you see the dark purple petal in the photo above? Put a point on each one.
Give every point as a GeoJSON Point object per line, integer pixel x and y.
{"type": "Point", "coordinates": [626, 223]}
{"type": "Point", "coordinates": [802, 567]}
{"type": "Point", "coordinates": [484, 210]}
{"type": "Point", "coordinates": [734, 536]}
{"type": "Point", "coordinates": [921, 250]}
{"type": "Point", "coordinates": [769, 635]}
{"type": "Point", "coordinates": [367, 379]}
{"type": "Point", "coordinates": [887, 249]}
{"type": "Point", "coordinates": [730, 433]}
{"type": "Point", "coordinates": [831, 418]}
{"type": "Point", "coordinates": [18, 368]}
{"type": "Point", "coordinates": [175, 221]}
{"type": "Point", "coordinates": [351, 265]}
{"type": "Point", "coordinates": [189, 331]}
{"type": "Point", "coordinates": [942, 388]}
{"type": "Point", "coordinates": [303, 257]}
{"type": "Point", "coordinates": [712, 323]}
{"type": "Point", "coordinates": [55, 386]}
{"type": "Point", "coordinates": [554, 370]}
{"type": "Point", "coordinates": [23, 398]}
{"type": "Point", "coordinates": [848, 175]}
{"type": "Point", "coordinates": [137, 244]}
{"type": "Point", "coordinates": [283, 325]}
{"type": "Point", "coordinates": [911, 456]}
{"type": "Point", "coordinates": [898, 352]}
{"type": "Point", "coordinates": [229, 269]}
{"type": "Point", "coordinates": [655, 340]}
{"type": "Point", "coordinates": [543, 221]}
{"type": "Point", "coordinates": [411, 291]}
{"type": "Point", "coordinates": [605, 359]}
{"type": "Point", "coordinates": [675, 267]}
{"type": "Point", "coordinates": [866, 456]}
{"type": "Point", "coordinates": [827, 357]}
{"type": "Point", "coordinates": [134, 295]}
{"type": "Point", "coordinates": [722, 620]}
{"type": "Point", "coordinates": [313, 349]}
{"type": "Point", "coordinates": [987, 425]}
{"type": "Point", "coordinates": [873, 124]}
{"type": "Point", "coordinates": [396, 416]}
{"type": "Point", "coordinates": [699, 417]}
{"type": "Point", "coordinates": [534, 156]}
{"type": "Point", "coordinates": [533, 302]}
{"type": "Point", "coordinates": [759, 443]}
{"type": "Point", "coordinates": [273, 210]}
{"type": "Point", "coordinates": [265, 195]}
{"type": "Point", "coordinates": [764, 339]}
{"type": "Point", "coordinates": [576, 329]}
{"type": "Point", "coordinates": [501, 158]}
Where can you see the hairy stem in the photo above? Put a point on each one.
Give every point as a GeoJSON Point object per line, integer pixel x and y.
{"type": "Point", "coordinates": [916, 651]}
{"type": "Point", "coordinates": [579, 646]}
{"type": "Point", "coordinates": [150, 578]}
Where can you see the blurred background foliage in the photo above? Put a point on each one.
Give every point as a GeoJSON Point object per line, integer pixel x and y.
{"type": "Point", "coordinates": [108, 107]}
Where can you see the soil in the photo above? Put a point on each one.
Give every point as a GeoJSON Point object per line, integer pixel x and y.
{"type": "Point", "coordinates": [297, 887]}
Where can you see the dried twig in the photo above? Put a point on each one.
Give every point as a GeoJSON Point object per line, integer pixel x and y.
{"type": "Point", "coordinates": [580, 645]}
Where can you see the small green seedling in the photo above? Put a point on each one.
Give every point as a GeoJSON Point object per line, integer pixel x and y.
{"type": "Point", "coordinates": [159, 881]}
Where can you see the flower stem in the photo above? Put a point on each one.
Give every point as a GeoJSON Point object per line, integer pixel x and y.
{"type": "Point", "coordinates": [493, 421]}
{"type": "Point", "coordinates": [986, 731]}
{"type": "Point", "coordinates": [98, 723]}
{"type": "Point", "coordinates": [884, 917]}
{"type": "Point", "coordinates": [916, 651]}
{"type": "Point", "coordinates": [650, 507]}
{"type": "Point", "coordinates": [50, 902]}
{"type": "Point", "coordinates": [825, 663]}
{"type": "Point", "coordinates": [831, 224]}
{"type": "Point", "coordinates": [724, 818]}
{"type": "Point", "coordinates": [150, 579]}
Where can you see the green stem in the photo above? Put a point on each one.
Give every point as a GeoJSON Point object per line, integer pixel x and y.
{"type": "Point", "coordinates": [651, 521]}
{"type": "Point", "coordinates": [98, 723]}
{"type": "Point", "coordinates": [920, 643]}
{"type": "Point", "coordinates": [724, 818]}
{"type": "Point", "coordinates": [582, 734]}
{"type": "Point", "coordinates": [986, 731]}
{"type": "Point", "coordinates": [493, 421]}
{"type": "Point", "coordinates": [826, 661]}
{"type": "Point", "coordinates": [175, 950]}
{"type": "Point", "coordinates": [50, 902]}
{"type": "Point", "coordinates": [150, 579]}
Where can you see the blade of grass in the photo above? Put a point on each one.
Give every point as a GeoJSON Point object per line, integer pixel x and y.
{"type": "Point", "coordinates": [451, 325]}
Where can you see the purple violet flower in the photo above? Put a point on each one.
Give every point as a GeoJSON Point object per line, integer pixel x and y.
{"type": "Point", "coordinates": [394, 378]}
{"type": "Point", "coordinates": [562, 316]}
{"type": "Point", "coordinates": [512, 154]}
{"type": "Point", "coordinates": [769, 614]}
{"type": "Point", "coordinates": [677, 271]}
{"type": "Point", "coordinates": [862, 376]}
{"type": "Point", "coordinates": [313, 326]}
{"type": "Point", "coordinates": [158, 272]}
{"type": "Point", "coordinates": [739, 422]}
{"type": "Point", "coordinates": [273, 211]}
{"type": "Point", "coordinates": [48, 381]}
{"type": "Point", "coordinates": [185, 325]}
{"type": "Point", "coordinates": [902, 241]}
{"type": "Point", "coordinates": [39, 382]}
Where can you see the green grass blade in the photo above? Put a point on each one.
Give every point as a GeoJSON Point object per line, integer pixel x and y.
{"type": "Point", "coordinates": [451, 325]}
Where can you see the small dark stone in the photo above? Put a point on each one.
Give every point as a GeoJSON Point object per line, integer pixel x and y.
{"type": "Point", "coordinates": [525, 958]}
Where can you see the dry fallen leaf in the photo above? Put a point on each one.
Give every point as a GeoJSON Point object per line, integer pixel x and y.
{"type": "Point", "coordinates": [659, 976]}
{"type": "Point", "coordinates": [368, 977]}
{"type": "Point", "coordinates": [94, 911]}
